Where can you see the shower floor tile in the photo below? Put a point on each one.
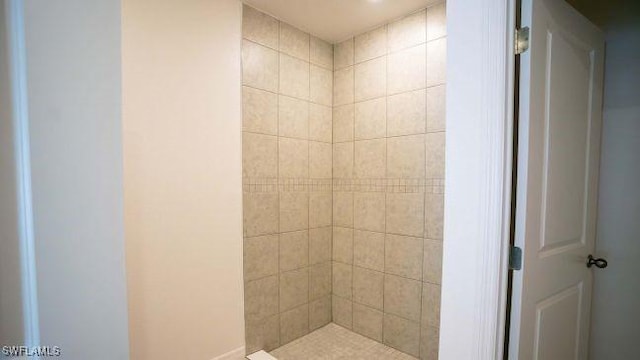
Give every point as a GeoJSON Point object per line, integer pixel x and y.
{"type": "Point", "coordinates": [334, 342]}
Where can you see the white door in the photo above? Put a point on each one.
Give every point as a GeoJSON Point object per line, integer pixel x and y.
{"type": "Point", "coordinates": [561, 80]}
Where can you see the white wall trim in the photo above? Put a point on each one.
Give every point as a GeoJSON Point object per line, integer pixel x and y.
{"type": "Point", "coordinates": [15, 23]}
{"type": "Point", "coordinates": [237, 354]}
{"type": "Point", "coordinates": [478, 178]}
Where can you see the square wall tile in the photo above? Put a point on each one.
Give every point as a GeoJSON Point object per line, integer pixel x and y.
{"type": "Point", "coordinates": [368, 287]}
{"type": "Point", "coordinates": [370, 159]}
{"type": "Point", "coordinates": [320, 280]}
{"type": "Point", "coordinates": [293, 117]}
{"type": "Point", "coordinates": [406, 70]}
{"type": "Point", "coordinates": [435, 155]}
{"type": "Point", "coordinates": [321, 53]}
{"type": "Point", "coordinates": [430, 337]}
{"type": "Point", "coordinates": [320, 160]}
{"type": "Point", "coordinates": [404, 214]}
{"type": "Point", "coordinates": [321, 86]}
{"type": "Point", "coordinates": [294, 42]}
{"type": "Point", "coordinates": [402, 334]}
{"type": "Point", "coordinates": [343, 245]}
{"type": "Point", "coordinates": [403, 256]}
{"type": "Point", "coordinates": [320, 245]}
{"type": "Point", "coordinates": [430, 305]}
{"type": "Point", "coordinates": [294, 323]}
{"type": "Point", "coordinates": [319, 312]}
{"type": "Point", "coordinates": [259, 111]}
{"type": "Point", "coordinates": [294, 288]}
{"type": "Point", "coordinates": [259, 156]}
{"type": "Point", "coordinates": [370, 79]}
{"type": "Point", "coordinates": [371, 44]}
{"type": "Point", "coordinates": [260, 214]}
{"type": "Point", "coordinates": [261, 297]}
{"type": "Point", "coordinates": [294, 77]}
{"type": "Point", "coordinates": [320, 123]}
{"type": "Point", "coordinates": [294, 211]}
{"type": "Point", "coordinates": [371, 119]}
{"type": "Point", "coordinates": [293, 158]}
{"type": "Point", "coordinates": [262, 334]}
{"type": "Point", "coordinates": [369, 211]}
{"type": "Point", "coordinates": [407, 113]}
{"type": "Point", "coordinates": [406, 157]}
{"type": "Point", "coordinates": [294, 250]}
{"type": "Point", "coordinates": [259, 66]}
{"type": "Point", "coordinates": [437, 21]}
{"type": "Point", "coordinates": [407, 32]}
{"type": "Point", "coordinates": [260, 256]}
{"type": "Point", "coordinates": [320, 207]}
{"type": "Point", "coordinates": [343, 54]}
{"type": "Point", "coordinates": [342, 280]}
{"type": "Point", "coordinates": [367, 322]}
{"type": "Point", "coordinates": [432, 263]}
{"type": "Point", "coordinates": [437, 62]}
{"type": "Point", "coordinates": [343, 209]}
{"type": "Point", "coordinates": [343, 86]}
{"type": "Point", "coordinates": [343, 123]}
{"type": "Point", "coordinates": [342, 311]}
{"type": "Point", "coordinates": [434, 215]}
{"type": "Point", "coordinates": [368, 250]}
{"type": "Point", "coordinates": [343, 160]}
{"type": "Point", "coordinates": [259, 27]}
{"type": "Point", "coordinates": [436, 108]}
{"type": "Point", "coordinates": [402, 297]}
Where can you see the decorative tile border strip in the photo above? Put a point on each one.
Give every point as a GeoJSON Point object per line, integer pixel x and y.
{"type": "Point", "coordinates": [408, 185]}
{"type": "Point", "coordinates": [390, 185]}
{"type": "Point", "coordinates": [259, 185]}
{"type": "Point", "coordinates": [271, 185]}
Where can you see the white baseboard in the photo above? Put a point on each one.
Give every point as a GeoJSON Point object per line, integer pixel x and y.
{"type": "Point", "coordinates": [261, 355]}
{"type": "Point", "coordinates": [237, 354]}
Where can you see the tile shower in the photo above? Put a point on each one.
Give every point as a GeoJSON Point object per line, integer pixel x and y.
{"type": "Point", "coordinates": [343, 171]}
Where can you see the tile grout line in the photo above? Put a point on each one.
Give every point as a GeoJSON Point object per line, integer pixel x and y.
{"type": "Point", "coordinates": [424, 196]}
{"type": "Point", "coordinates": [285, 53]}
{"type": "Point", "coordinates": [386, 165]}
{"type": "Point", "coordinates": [278, 196]}
{"type": "Point", "coordinates": [309, 193]}
{"type": "Point", "coordinates": [353, 166]}
{"type": "Point", "coordinates": [333, 84]}
{"type": "Point", "coordinates": [254, 87]}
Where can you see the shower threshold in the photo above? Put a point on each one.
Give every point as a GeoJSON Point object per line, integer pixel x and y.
{"type": "Point", "coordinates": [335, 342]}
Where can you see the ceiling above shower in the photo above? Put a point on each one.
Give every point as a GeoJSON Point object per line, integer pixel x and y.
{"type": "Point", "coordinates": [336, 20]}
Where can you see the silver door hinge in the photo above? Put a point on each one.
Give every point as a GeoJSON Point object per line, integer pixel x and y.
{"type": "Point", "coordinates": [522, 40]}
{"type": "Point", "coordinates": [515, 258]}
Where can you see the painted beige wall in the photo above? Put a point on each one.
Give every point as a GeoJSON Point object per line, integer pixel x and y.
{"type": "Point", "coordinates": [182, 176]}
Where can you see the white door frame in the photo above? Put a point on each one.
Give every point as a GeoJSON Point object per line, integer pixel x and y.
{"type": "Point", "coordinates": [480, 78]}
{"type": "Point", "coordinates": [14, 22]}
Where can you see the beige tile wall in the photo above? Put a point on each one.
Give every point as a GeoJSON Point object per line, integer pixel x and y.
{"type": "Point", "coordinates": [343, 151]}
{"type": "Point", "coordinates": [287, 171]}
{"type": "Point", "coordinates": [388, 171]}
